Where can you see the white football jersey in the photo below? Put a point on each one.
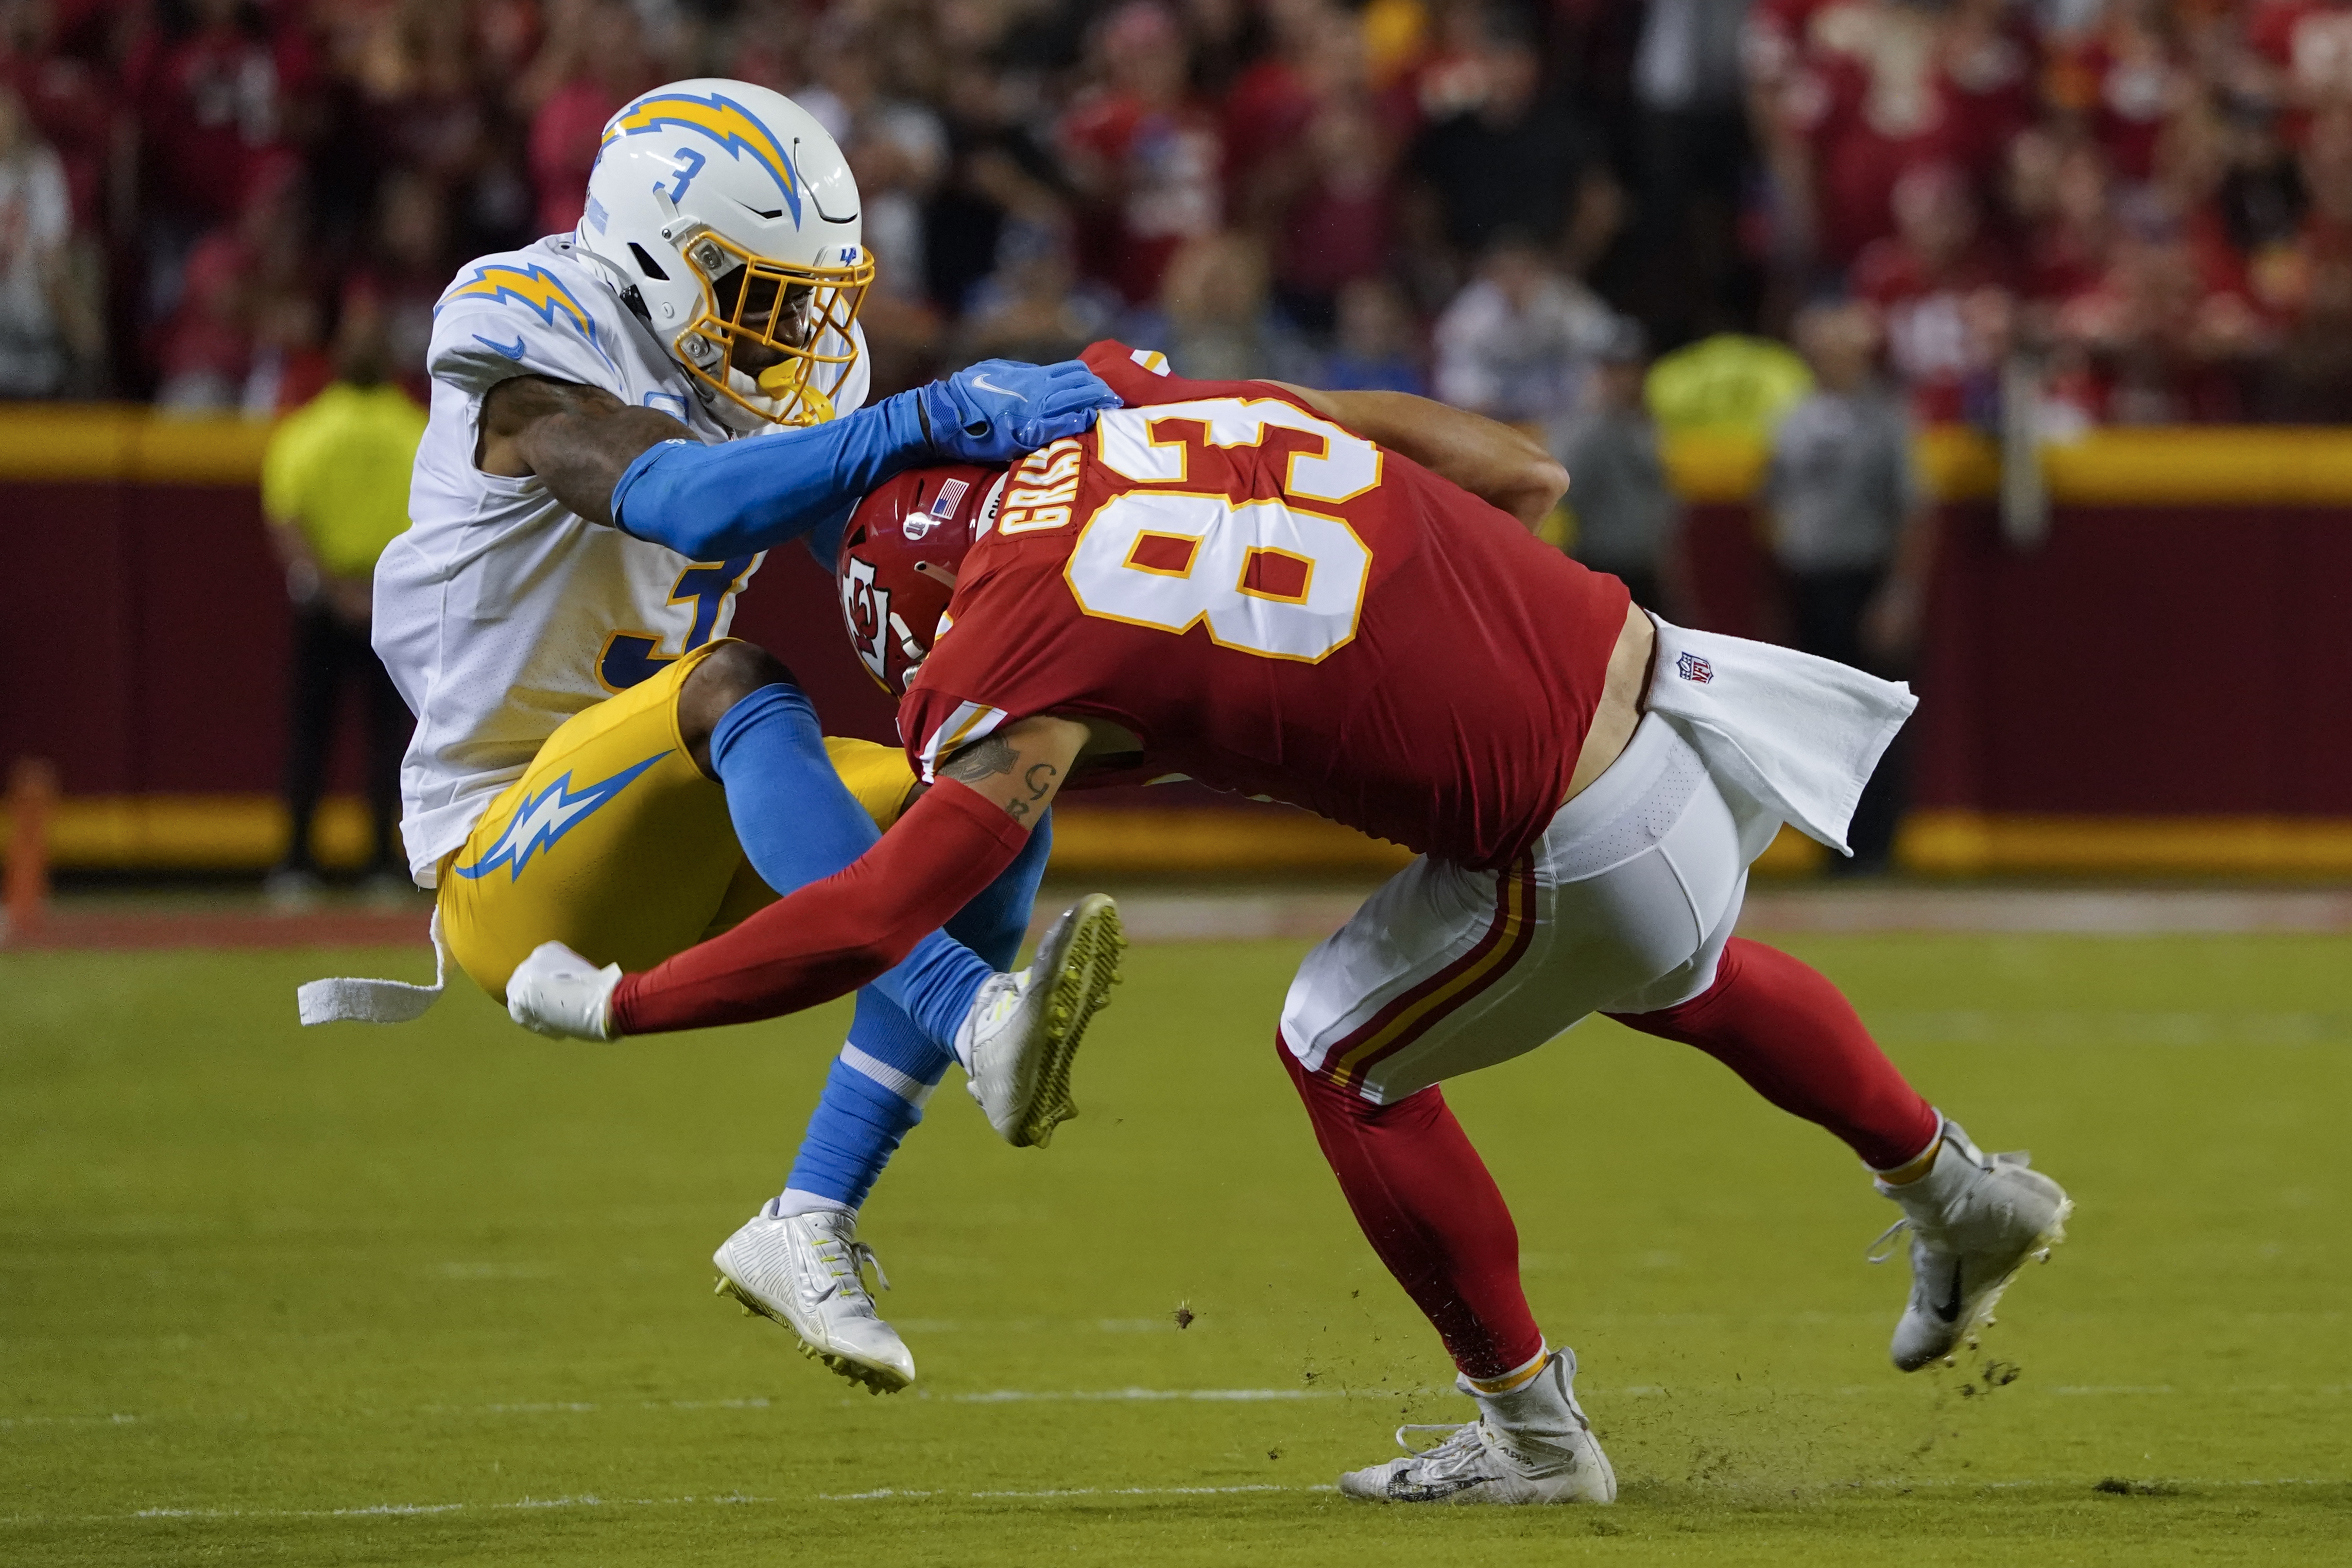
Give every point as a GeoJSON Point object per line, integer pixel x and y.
{"type": "Point", "coordinates": [500, 614]}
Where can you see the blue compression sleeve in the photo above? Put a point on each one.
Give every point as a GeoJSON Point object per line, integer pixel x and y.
{"type": "Point", "coordinates": [874, 1096]}
{"type": "Point", "coordinates": [713, 502]}
{"type": "Point", "coordinates": [797, 821]}
{"type": "Point", "coordinates": [738, 498]}
{"type": "Point", "coordinates": [798, 824]}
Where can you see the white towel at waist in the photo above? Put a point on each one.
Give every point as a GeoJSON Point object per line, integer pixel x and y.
{"type": "Point", "coordinates": [1799, 736]}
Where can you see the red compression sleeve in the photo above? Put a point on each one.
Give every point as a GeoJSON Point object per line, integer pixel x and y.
{"type": "Point", "coordinates": [1780, 1025]}
{"type": "Point", "coordinates": [1432, 1212]}
{"type": "Point", "coordinates": [832, 936]}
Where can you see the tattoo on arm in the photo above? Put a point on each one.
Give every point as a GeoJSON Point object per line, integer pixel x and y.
{"type": "Point", "coordinates": [1040, 778]}
{"type": "Point", "coordinates": [519, 400]}
{"type": "Point", "coordinates": [577, 439]}
{"type": "Point", "coordinates": [981, 759]}
{"type": "Point", "coordinates": [995, 757]}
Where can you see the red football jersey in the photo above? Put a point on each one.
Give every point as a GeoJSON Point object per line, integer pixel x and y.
{"type": "Point", "coordinates": [1280, 608]}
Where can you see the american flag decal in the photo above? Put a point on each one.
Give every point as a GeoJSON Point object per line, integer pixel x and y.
{"type": "Point", "coordinates": [1691, 667]}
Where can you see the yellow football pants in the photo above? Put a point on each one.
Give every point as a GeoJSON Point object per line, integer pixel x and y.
{"type": "Point", "coordinates": [615, 843]}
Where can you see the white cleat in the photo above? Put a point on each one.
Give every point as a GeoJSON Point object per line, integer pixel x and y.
{"type": "Point", "coordinates": [1530, 1446]}
{"type": "Point", "coordinates": [1974, 1220]}
{"type": "Point", "coordinates": [806, 1272]}
{"type": "Point", "coordinates": [557, 993]}
{"type": "Point", "coordinates": [1017, 1040]}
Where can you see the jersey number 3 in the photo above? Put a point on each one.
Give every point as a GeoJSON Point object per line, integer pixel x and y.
{"type": "Point", "coordinates": [1262, 576]}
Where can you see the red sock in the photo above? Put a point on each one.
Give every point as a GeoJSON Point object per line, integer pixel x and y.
{"type": "Point", "coordinates": [1433, 1213]}
{"type": "Point", "coordinates": [1780, 1025]}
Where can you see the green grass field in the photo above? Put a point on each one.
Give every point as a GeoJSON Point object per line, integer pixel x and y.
{"type": "Point", "coordinates": [440, 1294]}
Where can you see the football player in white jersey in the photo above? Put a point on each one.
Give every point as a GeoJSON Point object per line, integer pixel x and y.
{"type": "Point", "coordinates": [624, 420]}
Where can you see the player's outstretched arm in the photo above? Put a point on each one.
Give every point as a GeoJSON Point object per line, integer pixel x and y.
{"type": "Point", "coordinates": [832, 936]}
{"type": "Point", "coordinates": [1502, 466]}
{"type": "Point", "coordinates": [644, 473]}
{"type": "Point", "coordinates": [713, 502]}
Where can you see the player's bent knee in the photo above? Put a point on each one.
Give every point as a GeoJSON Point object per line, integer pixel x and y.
{"type": "Point", "coordinates": [1328, 1101]}
{"type": "Point", "coordinates": [732, 671]}
{"type": "Point", "coordinates": [724, 676]}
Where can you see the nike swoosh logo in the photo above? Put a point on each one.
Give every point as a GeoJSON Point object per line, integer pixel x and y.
{"type": "Point", "coordinates": [984, 384]}
{"type": "Point", "coordinates": [515, 353]}
{"type": "Point", "coordinates": [1401, 1490]}
{"type": "Point", "coordinates": [1950, 1311]}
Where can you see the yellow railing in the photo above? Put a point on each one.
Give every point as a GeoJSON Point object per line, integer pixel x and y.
{"type": "Point", "coordinates": [2184, 465]}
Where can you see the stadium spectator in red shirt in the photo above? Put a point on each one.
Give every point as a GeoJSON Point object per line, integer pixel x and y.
{"type": "Point", "coordinates": [213, 104]}
{"type": "Point", "coordinates": [71, 103]}
{"type": "Point", "coordinates": [596, 69]}
{"type": "Point", "coordinates": [1145, 154]}
{"type": "Point", "coordinates": [1942, 291]}
{"type": "Point", "coordinates": [2061, 215]}
{"type": "Point", "coordinates": [407, 267]}
{"type": "Point", "coordinates": [1888, 86]}
{"type": "Point", "coordinates": [2124, 81]}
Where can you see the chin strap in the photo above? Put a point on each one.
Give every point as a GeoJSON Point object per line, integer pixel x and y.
{"type": "Point", "coordinates": [347, 1000]}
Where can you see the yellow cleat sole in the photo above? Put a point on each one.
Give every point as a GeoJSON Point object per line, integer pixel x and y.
{"type": "Point", "coordinates": [1089, 969]}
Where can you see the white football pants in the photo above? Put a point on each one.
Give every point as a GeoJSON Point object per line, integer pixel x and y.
{"type": "Point", "coordinates": [1623, 905]}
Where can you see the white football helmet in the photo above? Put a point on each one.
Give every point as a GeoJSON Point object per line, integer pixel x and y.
{"type": "Point", "coordinates": [734, 218]}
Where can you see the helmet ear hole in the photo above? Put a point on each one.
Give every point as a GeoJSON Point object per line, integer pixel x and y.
{"type": "Point", "coordinates": [646, 263]}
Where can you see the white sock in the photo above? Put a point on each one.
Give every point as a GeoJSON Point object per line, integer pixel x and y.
{"type": "Point", "coordinates": [795, 1202]}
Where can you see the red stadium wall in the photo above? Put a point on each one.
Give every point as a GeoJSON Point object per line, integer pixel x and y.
{"type": "Point", "coordinates": [2159, 684]}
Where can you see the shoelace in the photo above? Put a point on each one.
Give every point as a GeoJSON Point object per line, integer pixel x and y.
{"type": "Point", "coordinates": [862, 1255]}
{"type": "Point", "coordinates": [2015, 1159]}
{"type": "Point", "coordinates": [1465, 1446]}
{"type": "Point", "coordinates": [834, 1252]}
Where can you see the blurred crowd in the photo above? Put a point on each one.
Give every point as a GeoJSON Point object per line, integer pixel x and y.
{"type": "Point", "coordinates": [2140, 208]}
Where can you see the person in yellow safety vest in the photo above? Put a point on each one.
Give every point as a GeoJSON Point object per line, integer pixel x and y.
{"type": "Point", "coordinates": [1727, 385]}
{"type": "Point", "coordinates": [334, 491]}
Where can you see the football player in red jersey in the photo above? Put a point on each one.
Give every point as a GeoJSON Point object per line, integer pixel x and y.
{"type": "Point", "coordinates": [1334, 599]}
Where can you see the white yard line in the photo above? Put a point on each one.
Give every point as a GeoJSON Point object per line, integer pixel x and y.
{"type": "Point", "coordinates": [1071, 1491]}
{"type": "Point", "coordinates": [1158, 1396]}
{"type": "Point", "coordinates": [1046, 1494]}
{"type": "Point", "coordinates": [1243, 1396]}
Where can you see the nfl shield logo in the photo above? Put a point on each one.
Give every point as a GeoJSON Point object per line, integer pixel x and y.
{"type": "Point", "coordinates": [1691, 667]}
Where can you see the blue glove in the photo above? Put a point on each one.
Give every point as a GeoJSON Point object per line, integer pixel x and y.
{"type": "Point", "coordinates": [999, 410]}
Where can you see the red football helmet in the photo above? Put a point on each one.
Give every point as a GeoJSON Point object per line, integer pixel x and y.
{"type": "Point", "coordinates": [900, 557]}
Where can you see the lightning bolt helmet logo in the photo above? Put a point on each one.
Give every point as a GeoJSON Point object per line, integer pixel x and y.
{"type": "Point", "coordinates": [727, 220]}
{"type": "Point", "coordinates": [734, 128]}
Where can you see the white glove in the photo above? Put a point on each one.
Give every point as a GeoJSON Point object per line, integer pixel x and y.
{"type": "Point", "coordinates": [557, 993]}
